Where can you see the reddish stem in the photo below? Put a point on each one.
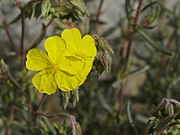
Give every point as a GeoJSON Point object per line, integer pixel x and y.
{"type": "Point", "coordinates": [97, 16]}
{"type": "Point", "coordinates": [128, 52]}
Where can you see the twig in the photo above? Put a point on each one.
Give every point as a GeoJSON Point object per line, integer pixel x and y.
{"type": "Point", "coordinates": [12, 44]}
{"type": "Point", "coordinates": [38, 110]}
{"type": "Point", "coordinates": [128, 51]}
{"type": "Point", "coordinates": [41, 103]}
{"type": "Point", "coordinates": [177, 64]}
{"type": "Point", "coordinates": [170, 100]}
{"type": "Point", "coordinates": [6, 127]}
{"type": "Point", "coordinates": [38, 39]}
{"type": "Point", "coordinates": [13, 81]}
{"type": "Point", "coordinates": [138, 12]}
{"type": "Point", "coordinates": [164, 58]}
{"type": "Point", "coordinates": [165, 101]}
{"type": "Point", "coordinates": [135, 22]}
{"type": "Point", "coordinates": [22, 36]}
{"type": "Point", "coordinates": [121, 93]}
{"type": "Point", "coordinates": [70, 117]}
{"type": "Point", "coordinates": [97, 16]}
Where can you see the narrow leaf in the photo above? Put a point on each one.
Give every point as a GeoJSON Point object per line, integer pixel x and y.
{"type": "Point", "coordinates": [127, 7]}
{"type": "Point", "coordinates": [130, 118]}
{"type": "Point", "coordinates": [149, 5]}
{"type": "Point", "coordinates": [104, 103]}
{"type": "Point", "coordinates": [154, 44]}
{"type": "Point", "coordinates": [17, 18]}
{"type": "Point", "coordinates": [164, 122]}
{"type": "Point", "coordinates": [138, 71]}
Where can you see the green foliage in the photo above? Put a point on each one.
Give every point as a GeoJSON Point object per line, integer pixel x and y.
{"type": "Point", "coordinates": [140, 69]}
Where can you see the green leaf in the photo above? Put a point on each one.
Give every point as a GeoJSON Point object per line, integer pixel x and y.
{"type": "Point", "coordinates": [104, 103]}
{"type": "Point", "coordinates": [138, 71]}
{"type": "Point", "coordinates": [17, 18]}
{"type": "Point", "coordinates": [127, 7]}
{"type": "Point", "coordinates": [110, 31]}
{"type": "Point", "coordinates": [49, 125]}
{"type": "Point", "coordinates": [154, 44]}
{"type": "Point", "coordinates": [64, 99]}
{"type": "Point", "coordinates": [78, 129]}
{"type": "Point", "coordinates": [149, 5]}
{"type": "Point", "coordinates": [150, 26]}
{"type": "Point", "coordinates": [164, 122]}
{"type": "Point", "coordinates": [80, 5]}
{"type": "Point", "coordinates": [28, 12]}
{"type": "Point", "coordinates": [74, 96]}
{"type": "Point", "coordinates": [37, 10]}
{"type": "Point", "coordinates": [45, 8]}
{"type": "Point", "coordinates": [150, 126]}
{"type": "Point", "coordinates": [130, 118]}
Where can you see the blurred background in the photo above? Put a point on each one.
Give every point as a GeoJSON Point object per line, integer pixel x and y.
{"type": "Point", "coordinates": [133, 87]}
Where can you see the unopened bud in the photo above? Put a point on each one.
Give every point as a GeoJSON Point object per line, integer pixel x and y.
{"type": "Point", "coordinates": [105, 60]}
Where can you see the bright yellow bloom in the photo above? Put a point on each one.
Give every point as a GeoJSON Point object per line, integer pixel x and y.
{"type": "Point", "coordinates": [66, 64]}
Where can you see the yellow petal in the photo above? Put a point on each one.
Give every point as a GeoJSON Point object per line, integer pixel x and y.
{"type": "Point", "coordinates": [72, 38]}
{"type": "Point", "coordinates": [36, 60]}
{"type": "Point", "coordinates": [44, 82]}
{"type": "Point", "coordinates": [83, 74]}
{"type": "Point", "coordinates": [55, 47]}
{"type": "Point", "coordinates": [88, 46]}
{"type": "Point", "coordinates": [66, 82]}
{"type": "Point", "coordinates": [72, 65]}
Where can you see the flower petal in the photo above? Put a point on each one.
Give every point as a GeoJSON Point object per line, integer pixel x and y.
{"type": "Point", "coordinates": [72, 38]}
{"type": "Point", "coordinates": [88, 47]}
{"type": "Point", "coordinates": [66, 82]}
{"type": "Point", "coordinates": [88, 66]}
{"type": "Point", "coordinates": [36, 60]}
{"type": "Point", "coordinates": [55, 47]}
{"type": "Point", "coordinates": [72, 65]}
{"type": "Point", "coordinates": [44, 82]}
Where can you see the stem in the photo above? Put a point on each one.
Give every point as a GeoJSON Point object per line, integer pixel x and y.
{"type": "Point", "coordinates": [38, 39]}
{"type": "Point", "coordinates": [138, 12]}
{"type": "Point", "coordinates": [177, 64]}
{"type": "Point", "coordinates": [135, 22]}
{"type": "Point", "coordinates": [121, 92]}
{"type": "Point", "coordinates": [6, 128]}
{"type": "Point", "coordinates": [97, 16]}
{"type": "Point", "coordinates": [22, 37]}
{"type": "Point", "coordinates": [12, 44]}
{"type": "Point", "coordinates": [41, 103]}
{"type": "Point", "coordinates": [36, 112]}
{"type": "Point", "coordinates": [13, 81]}
{"type": "Point", "coordinates": [164, 58]}
{"type": "Point", "coordinates": [128, 52]}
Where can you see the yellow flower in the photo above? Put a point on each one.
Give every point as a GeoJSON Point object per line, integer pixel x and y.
{"type": "Point", "coordinates": [66, 64]}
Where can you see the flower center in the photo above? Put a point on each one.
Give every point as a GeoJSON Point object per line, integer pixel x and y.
{"type": "Point", "coordinates": [53, 68]}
